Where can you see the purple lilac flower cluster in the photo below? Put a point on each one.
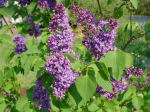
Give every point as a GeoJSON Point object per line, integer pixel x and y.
{"type": "Point", "coordinates": [99, 38]}
{"type": "Point", "coordinates": [20, 44]}
{"type": "Point", "coordinates": [116, 86]}
{"type": "Point", "coordinates": [59, 67]}
{"type": "Point", "coordinates": [40, 96]}
{"type": "Point", "coordinates": [60, 42]}
{"type": "Point", "coordinates": [47, 3]}
{"type": "Point", "coordinates": [122, 85]}
{"type": "Point", "coordinates": [24, 2]}
{"type": "Point", "coordinates": [2, 2]}
{"type": "Point", "coordinates": [35, 29]}
{"type": "Point", "coordinates": [83, 16]}
{"type": "Point", "coordinates": [133, 71]}
{"type": "Point", "coordinates": [41, 3]}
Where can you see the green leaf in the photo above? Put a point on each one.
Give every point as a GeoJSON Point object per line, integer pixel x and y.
{"type": "Point", "coordinates": [66, 3]}
{"type": "Point", "coordinates": [109, 1]}
{"type": "Point", "coordinates": [147, 36]}
{"type": "Point", "coordinates": [93, 107]}
{"type": "Point", "coordinates": [22, 105]}
{"type": "Point", "coordinates": [74, 96]}
{"type": "Point", "coordinates": [118, 12]}
{"type": "Point", "coordinates": [70, 56]}
{"type": "Point", "coordinates": [68, 12]}
{"type": "Point", "coordinates": [44, 37]}
{"type": "Point", "coordinates": [3, 105]}
{"type": "Point", "coordinates": [4, 29]}
{"type": "Point", "coordinates": [5, 38]}
{"type": "Point", "coordinates": [31, 7]}
{"type": "Point", "coordinates": [59, 1]}
{"type": "Point", "coordinates": [118, 61]}
{"type": "Point", "coordinates": [8, 11]}
{"type": "Point", "coordinates": [134, 3]}
{"type": "Point", "coordinates": [125, 109]}
{"type": "Point", "coordinates": [86, 85]}
{"type": "Point", "coordinates": [8, 72]}
{"type": "Point", "coordinates": [6, 53]}
{"type": "Point", "coordinates": [54, 105]}
{"type": "Point", "coordinates": [102, 76]}
{"type": "Point", "coordinates": [38, 64]}
{"type": "Point", "coordinates": [137, 102]}
{"type": "Point", "coordinates": [28, 64]}
{"type": "Point", "coordinates": [26, 81]}
{"type": "Point", "coordinates": [32, 48]}
{"type": "Point", "coordinates": [130, 92]}
{"type": "Point", "coordinates": [1, 78]}
{"type": "Point", "coordinates": [75, 63]}
{"type": "Point", "coordinates": [8, 87]}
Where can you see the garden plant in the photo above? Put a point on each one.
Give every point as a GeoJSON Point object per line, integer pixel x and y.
{"type": "Point", "coordinates": [46, 67]}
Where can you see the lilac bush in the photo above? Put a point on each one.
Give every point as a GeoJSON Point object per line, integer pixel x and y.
{"type": "Point", "coordinates": [61, 66]}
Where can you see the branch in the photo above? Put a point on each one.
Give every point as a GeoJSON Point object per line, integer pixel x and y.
{"type": "Point", "coordinates": [7, 24]}
{"type": "Point", "coordinates": [131, 21]}
{"type": "Point", "coordinates": [100, 9]}
{"type": "Point", "coordinates": [131, 39]}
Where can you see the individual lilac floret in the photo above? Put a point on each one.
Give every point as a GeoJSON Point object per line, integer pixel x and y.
{"type": "Point", "coordinates": [35, 29]}
{"type": "Point", "coordinates": [24, 2]}
{"type": "Point", "coordinates": [20, 44]}
{"type": "Point", "coordinates": [47, 3]}
{"type": "Point", "coordinates": [59, 67]}
{"type": "Point", "coordinates": [98, 38]}
{"type": "Point", "coordinates": [2, 2]}
{"type": "Point", "coordinates": [40, 96]}
{"type": "Point", "coordinates": [61, 41]}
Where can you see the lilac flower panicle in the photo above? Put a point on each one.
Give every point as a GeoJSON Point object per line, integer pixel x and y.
{"type": "Point", "coordinates": [83, 16]}
{"type": "Point", "coordinates": [122, 85]}
{"type": "Point", "coordinates": [35, 29]}
{"type": "Point", "coordinates": [24, 2]}
{"type": "Point", "coordinates": [59, 67]}
{"type": "Point", "coordinates": [2, 2]}
{"type": "Point", "coordinates": [20, 44]}
{"type": "Point", "coordinates": [116, 86]}
{"type": "Point", "coordinates": [98, 38]}
{"type": "Point", "coordinates": [29, 20]}
{"type": "Point", "coordinates": [61, 41]}
{"type": "Point", "coordinates": [40, 96]}
{"type": "Point", "coordinates": [137, 72]}
{"type": "Point", "coordinates": [47, 3]}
